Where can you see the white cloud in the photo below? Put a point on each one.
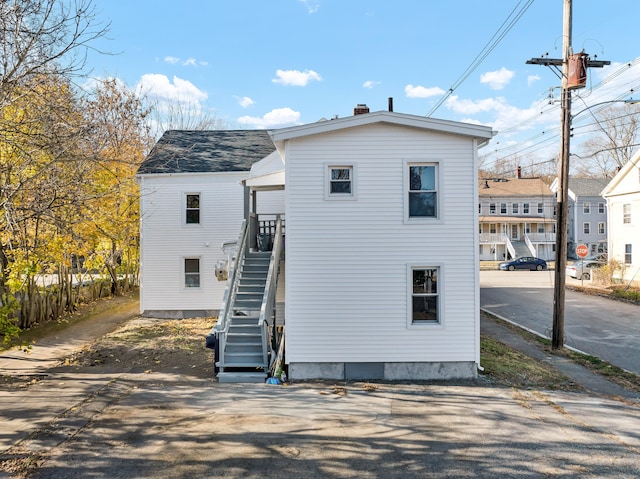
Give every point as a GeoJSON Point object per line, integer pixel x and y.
{"type": "Point", "coordinates": [531, 79]}
{"type": "Point", "coordinates": [172, 60]}
{"type": "Point", "coordinates": [160, 88]}
{"type": "Point", "coordinates": [422, 92]}
{"type": "Point", "coordinates": [312, 5]}
{"type": "Point", "coordinates": [245, 102]}
{"type": "Point", "coordinates": [276, 118]}
{"type": "Point", "coordinates": [370, 84]}
{"type": "Point", "coordinates": [498, 79]}
{"type": "Point", "coordinates": [190, 62]}
{"type": "Point", "coordinates": [295, 77]}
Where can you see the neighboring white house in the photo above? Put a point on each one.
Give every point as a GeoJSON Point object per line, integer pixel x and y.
{"type": "Point", "coordinates": [191, 201]}
{"type": "Point", "coordinates": [381, 247]}
{"type": "Point", "coordinates": [517, 218]}
{"type": "Point", "coordinates": [623, 204]}
{"type": "Point", "coordinates": [587, 215]}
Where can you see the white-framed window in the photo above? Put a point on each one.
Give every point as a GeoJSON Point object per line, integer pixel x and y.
{"type": "Point", "coordinates": [586, 228]}
{"type": "Point", "coordinates": [540, 228]}
{"type": "Point", "coordinates": [626, 213]}
{"type": "Point", "coordinates": [425, 304]}
{"type": "Point", "coordinates": [340, 181]}
{"type": "Point", "coordinates": [525, 208]}
{"type": "Point", "coordinates": [555, 210]}
{"type": "Point", "coordinates": [601, 208]}
{"type": "Point", "coordinates": [601, 228]}
{"type": "Point", "coordinates": [503, 208]}
{"type": "Point", "coordinates": [492, 228]}
{"type": "Point", "coordinates": [492, 208]}
{"type": "Point", "coordinates": [192, 208]}
{"type": "Point", "coordinates": [479, 208]}
{"type": "Point", "coordinates": [191, 272]}
{"type": "Point", "coordinates": [540, 208]}
{"type": "Point", "coordinates": [515, 208]}
{"type": "Point", "coordinates": [627, 254]}
{"type": "Point", "coordinates": [422, 191]}
{"type": "Point", "coordinates": [586, 208]}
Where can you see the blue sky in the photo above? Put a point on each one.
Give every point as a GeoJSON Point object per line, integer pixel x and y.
{"type": "Point", "coordinates": [268, 64]}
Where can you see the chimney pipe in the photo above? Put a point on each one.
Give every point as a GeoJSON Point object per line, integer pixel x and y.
{"type": "Point", "coordinates": [518, 172]}
{"type": "Point", "coordinates": [360, 109]}
{"type": "Point", "coordinates": [390, 103]}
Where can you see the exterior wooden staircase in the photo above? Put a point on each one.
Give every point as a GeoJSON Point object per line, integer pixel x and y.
{"type": "Point", "coordinates": [242, 337]}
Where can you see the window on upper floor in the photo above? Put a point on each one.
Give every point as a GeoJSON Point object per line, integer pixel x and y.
{"type": "Point", "coordinates": [479, 208]}
{"type": "Point", "coordinates": [192, 272]}
{"type": "Point", "coordinates": [586, 208]}
{"type": "Point", "coordinates": [540, 208]}
{"type": "Point", "coordinates": [525, 208]}
{"type": "Point", "coordinates": [492, 208]}
{"type": "Point", "coordinates": [425, 295]}
{"type": "Point", "coordinates": [192, 208]}
{"type": "Point", "coordinates": [555, 210]}
{"type": "Point", "coordinates": [601, 208]}
{"type": "Point", "coordinates": [601, 228]}
{"type": "Point", "coordinates": [628, 259]}
{"type": "Point", "coordinates": [423, 190]}
{"type": "Point", "coordinates": [515, 208]}
{"type": "Point", "coordinates": [340, 182]}
{"type": "Point", "coordinates": [626, 213]}
{"type": "Point", "coordinates": [503, 208]}
{"type": "Point", "coordinates": [586, 228]}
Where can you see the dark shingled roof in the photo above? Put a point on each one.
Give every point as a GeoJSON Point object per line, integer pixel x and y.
{"type": "Point", "coordinates": [199, 151]}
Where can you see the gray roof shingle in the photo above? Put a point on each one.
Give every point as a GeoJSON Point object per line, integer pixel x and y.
{"type": "Point", "coordinates": [587, 186]}
{"type": "Point", "coordinates": [201, 151]}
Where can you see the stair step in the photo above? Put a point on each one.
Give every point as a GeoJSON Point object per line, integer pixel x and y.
{"type": "Point", "coordinates": [245, 320]}
{"type": "Point", "coordinates": [235, 348]}
{"type": "Point", "coordinates": [241, 377]}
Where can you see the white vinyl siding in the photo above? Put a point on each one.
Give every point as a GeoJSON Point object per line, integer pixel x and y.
{"type": "Point", "coordinates": [166, 239]}
{"type": "Point", "coordinates": [346, 264]}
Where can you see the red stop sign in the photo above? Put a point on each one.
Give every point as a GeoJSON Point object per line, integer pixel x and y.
{"type": "Point", "coordinates": [582, 251]}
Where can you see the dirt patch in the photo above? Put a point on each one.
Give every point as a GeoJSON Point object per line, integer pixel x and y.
{"type": "Point", "coordinates": [150, 346]}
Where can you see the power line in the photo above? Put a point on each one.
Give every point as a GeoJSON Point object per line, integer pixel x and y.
{"type": "Point", "coordinates": [497, 37]}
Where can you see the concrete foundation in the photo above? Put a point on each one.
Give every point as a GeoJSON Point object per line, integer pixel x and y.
{"type": "Point", "coordinates": [384, 371]}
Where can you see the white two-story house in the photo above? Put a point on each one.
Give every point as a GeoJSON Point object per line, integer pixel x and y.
{"type": "Point", "coordinates": [371, 269]}
{"type": "Point", "coordinates": [623, 203]}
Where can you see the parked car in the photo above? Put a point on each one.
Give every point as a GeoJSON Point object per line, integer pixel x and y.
{"type": "Point", "coordinates": [582, 269]}
{"type": "Point", "coordinates": [525, 262]}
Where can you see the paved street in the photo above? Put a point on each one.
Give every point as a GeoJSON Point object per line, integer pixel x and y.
{"type": "Point", "coordinates": [596, 325]}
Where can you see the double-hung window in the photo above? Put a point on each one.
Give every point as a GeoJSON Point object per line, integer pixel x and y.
{"type": "Point", "coordinates": [586, 208]}
{"type": "Point", "coordinates": [340, 181]}
{"type": "Point", "coordinates": [425, 295]}
{"type": "Point", "coordinates": [423, 190]}
{"type": "Point", "coordinates": [540, 208]}
{"type": "Point", "coordinates": [626, 213]}
{"type": "Point", "coordinates": [525, 208]}
{"type": "Point", "coordinates": [601, 228]}
{"type": "Point", "coordinates": [514, 208]}
{"type": "Point", "coordinates": [503, 208]}
{"type": "Point", "coordinates": [627, 254]}
{"type": "Point", "coordinates": [192, 208]}
{"type": "Point", "coordinates": [492, 208]}
{"type": "Point", "coordinates": [192, 272]}
{"type": "Point", "coordinates": [601, 208]}
{"type": "Point", "coordinates": [586, 228]}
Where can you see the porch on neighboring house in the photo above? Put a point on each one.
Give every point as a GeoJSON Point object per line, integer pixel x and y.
{"type": "Point", "coordinates": [512, 237]}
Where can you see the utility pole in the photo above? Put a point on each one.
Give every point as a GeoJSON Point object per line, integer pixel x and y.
{"type": "Point", "coordinates": [557, 338]}
{"type": "Point", "coordinates": [573, 75]}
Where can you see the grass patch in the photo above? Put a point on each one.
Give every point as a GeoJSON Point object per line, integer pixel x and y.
{"type": "Point", "coordinates": [504, 365]}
